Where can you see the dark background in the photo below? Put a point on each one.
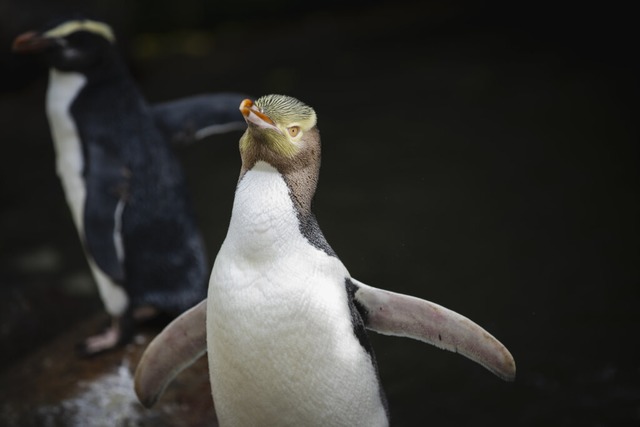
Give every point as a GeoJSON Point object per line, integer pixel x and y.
{"type": "Point", "coordinates": [480, 155]}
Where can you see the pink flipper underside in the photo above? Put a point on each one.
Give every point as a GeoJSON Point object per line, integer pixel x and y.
{"type": "Point", "coordinates": [401, 315]}
{"type": "Point", "coordinates": [177, 347]}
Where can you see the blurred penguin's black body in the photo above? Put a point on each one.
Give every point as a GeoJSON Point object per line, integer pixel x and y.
{"type": "Point", "coordinates": [124, 185]}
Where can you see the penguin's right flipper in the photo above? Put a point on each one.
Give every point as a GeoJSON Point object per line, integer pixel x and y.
{"type": "Point", "coordinates": [107, 181]}
{"type": "Point", "coordinates": [186, 120]}
{"type": "Point", "coordinates": [174, 349]}
{"type": "Point", "coordinates": [390, 313]}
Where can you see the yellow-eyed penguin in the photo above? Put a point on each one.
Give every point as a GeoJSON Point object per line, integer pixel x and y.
{"type": "Point", "coordinates": [123, 184]}
{"type": "Point", "coordinates": [285, 322]}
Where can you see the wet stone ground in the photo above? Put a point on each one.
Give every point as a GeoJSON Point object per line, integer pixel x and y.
{"type": "Point", "coordinates": [52, 387]}
{"type": "Point", "coordinates": [486, 161]}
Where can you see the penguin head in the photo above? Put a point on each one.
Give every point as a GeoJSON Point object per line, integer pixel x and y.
{"type": "Point", "coordinates": [71, 45]}
{"type": "Point", "coordinates": [281, 131]}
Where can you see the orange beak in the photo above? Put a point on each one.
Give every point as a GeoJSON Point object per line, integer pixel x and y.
{"type": "Point", "coordinates": [253, 115]}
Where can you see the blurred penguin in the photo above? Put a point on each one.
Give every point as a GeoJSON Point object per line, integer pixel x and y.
{"type": "Point", "coordinates": [124, 185]}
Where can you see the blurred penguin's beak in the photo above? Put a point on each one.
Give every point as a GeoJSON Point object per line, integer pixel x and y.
{"type": "Point", "coordinates": [31, 42]}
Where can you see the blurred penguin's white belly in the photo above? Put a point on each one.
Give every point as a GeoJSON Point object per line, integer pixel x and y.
{"type": "Point", "coordinates": [63, 89]}
{"type": "Point", "coordinates": [282, 350]}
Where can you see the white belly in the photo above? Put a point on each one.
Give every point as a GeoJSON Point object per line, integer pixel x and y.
{"type": "Point", "coordinates": [63, 89]}
{"type": "Point", "coordinates": [281, 345]}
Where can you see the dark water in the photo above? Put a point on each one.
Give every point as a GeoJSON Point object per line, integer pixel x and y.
{"type": "Point", "coordinates": [485, 162]}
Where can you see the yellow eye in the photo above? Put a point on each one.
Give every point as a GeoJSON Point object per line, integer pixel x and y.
{"type": "Point", "coordinates": [293, 131]}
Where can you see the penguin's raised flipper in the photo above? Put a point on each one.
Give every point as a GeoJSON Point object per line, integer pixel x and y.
{"type": "Point", "coordinates": [107, 181]}
{"type": "Point", "coordinates": [177, 347]}
{"type": "Point", "coordinates": [390, 313]}
{"type": "Point", "coordinates": [189, 119]}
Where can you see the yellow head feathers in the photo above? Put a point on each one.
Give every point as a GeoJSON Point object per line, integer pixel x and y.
{"type": "Point", "coordinates": [71, 27]}
{"type": "Point", "coordinates": [281, 121]}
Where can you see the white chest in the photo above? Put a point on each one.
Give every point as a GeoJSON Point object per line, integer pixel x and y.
{"type": "Point", "coordinates": [279, 332]}
{"type": "Point", "coordinates": [63, 89]}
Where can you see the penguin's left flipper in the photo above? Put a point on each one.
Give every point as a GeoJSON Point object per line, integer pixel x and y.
{"type": "Point", "coordinates": [390, 313]}
{"type": "Point", "coordinates": [177, 347]}
{"type": "Point", "coordinates": [107, 181]}
{"type": "Point", "coordinates": [186, 120]}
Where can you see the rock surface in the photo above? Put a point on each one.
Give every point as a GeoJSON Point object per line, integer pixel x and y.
{"type": "Point", "coordinates": [53, 387]}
